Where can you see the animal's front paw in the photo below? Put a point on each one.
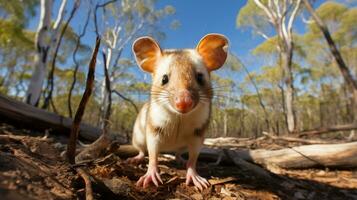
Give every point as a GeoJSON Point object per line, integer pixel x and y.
{"type": "Point", "coordinates": [198, 181]}
{"type": "Point", "coordinates": [136, 159]}
{"type": "Point", "coordinates": [152, 175]}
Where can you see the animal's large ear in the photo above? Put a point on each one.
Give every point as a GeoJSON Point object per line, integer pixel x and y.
{"type": "Point", "coordinates": [147, 52]}
{"type": "Point", "coordinates": [213, 50]}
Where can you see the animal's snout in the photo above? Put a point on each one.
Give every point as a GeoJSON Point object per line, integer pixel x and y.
{"type": "Point", "coordinates": [183, 101]}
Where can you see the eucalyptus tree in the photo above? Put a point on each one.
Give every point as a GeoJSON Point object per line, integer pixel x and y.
{"type": "Point", "coordinates": [267, 17]}
{"type": "Point", "coordinates": [16, 44]}
{"type": "Point", "coordinates": [45, 40]}
{"type": "Point", "coordinates": [334, 23]}
{"type": "Point", "coordinates": [121, 22]}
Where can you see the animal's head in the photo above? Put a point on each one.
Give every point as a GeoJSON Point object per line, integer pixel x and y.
{"type": "Point", "coordinates": [181, 78]}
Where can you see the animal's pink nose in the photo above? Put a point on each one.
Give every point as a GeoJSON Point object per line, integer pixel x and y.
{"type": "Point", "coordinates": [183, 101]}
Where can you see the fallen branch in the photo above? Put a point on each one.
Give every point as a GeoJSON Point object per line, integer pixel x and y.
{"type": "Point", "coordinates": [306, 156]}
{"type": "Point", "coordinates": [50, 79]}
{"type": "Point", "coordinates": [345, 127]}
{"type": "Point", "coordinates": [293, 139]}
{"type": "Point", "coordinates": [247, 166]}
{"type": "Point", "coordinates": [71, 147]}
{"type": "Point", "coordinates": [88, 183]}
{"type": "Point", "coordinates": [229, 142]}
{"type": "Point", "coordinates": [25, 115]}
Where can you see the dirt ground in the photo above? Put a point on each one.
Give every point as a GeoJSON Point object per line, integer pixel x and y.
{"type": "Point", "coordinates": [32, 166]}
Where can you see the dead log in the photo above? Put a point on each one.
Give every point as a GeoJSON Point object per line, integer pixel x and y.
{"type": "Point", "coordinates": [306, 156]}
{"type": "Point", "coordinates": [322, 130]}
{"type": "Point", "coordinates": [294, 139]}
{"type": "Point", "coordinates": [227, 141]}
{"type": "Point", "coordinates": [25, 115]}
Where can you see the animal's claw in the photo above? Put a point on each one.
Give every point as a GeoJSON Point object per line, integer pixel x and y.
{"type": "Point", "coordinates": [152, 175]}
{"type": "Point", "coordinates": [198, 181]}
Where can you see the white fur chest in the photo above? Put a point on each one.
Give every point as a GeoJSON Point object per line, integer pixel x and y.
{"type": "Point", "coordinates": [178, 129]}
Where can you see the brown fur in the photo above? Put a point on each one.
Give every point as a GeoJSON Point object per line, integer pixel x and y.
{"type": "Point", "coordinates": [184, 69]}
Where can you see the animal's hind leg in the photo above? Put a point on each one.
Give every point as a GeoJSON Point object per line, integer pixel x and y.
{"type": "Point", "coordinates": [136, 159]}
{"type": "Point", "coordinates": [178, 156]}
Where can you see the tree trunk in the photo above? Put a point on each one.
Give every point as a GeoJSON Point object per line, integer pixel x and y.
{"type": "Point", "coordinates": [225, 124]}
{"type": "Point", "coordinates": [289, 93]}
{"type": "Point", "coordinates": [104, 92]}
{"type": "Point", "coordinates": [56, 42]}
{"type": "Point", "coordinates": [34, 90]}
{"type": "Point", "coordinates": [345, 71]}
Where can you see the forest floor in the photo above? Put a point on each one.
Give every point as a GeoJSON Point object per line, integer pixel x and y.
{"type": "Point", "coordinates": [32, 166]}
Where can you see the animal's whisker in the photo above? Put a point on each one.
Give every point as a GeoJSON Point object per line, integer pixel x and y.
{"type": "Point", "coordinates": [160, 101]}
{"type": "Point", "coordinates": [162, 89]}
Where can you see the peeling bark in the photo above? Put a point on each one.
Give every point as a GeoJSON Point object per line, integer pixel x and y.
{"type": "Point", "coordinates": [34, 90]}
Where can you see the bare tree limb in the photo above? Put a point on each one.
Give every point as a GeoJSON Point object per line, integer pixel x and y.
{"type": "Point", "coordinates": [109, 104]}
{"type": "Point", "coordinates": [71, 148]}
{"type": "Point", "coordinates": [345, 71]}
{"type": "Point", "coordinates": [292, 17]}
{"type": "Point", "coordinates": [268, 12]}
{"type": "Point", "coordinates": [95, 13]}
{"type": "Point", "coordinates": [126, 99]}
{"type": "Point", "coordinates": [50, 79]}
{"type": "Point", "coordinates": [260, 99]}
{"type": "Point", "coordinates": [69, 104]}
{"type": "Point", "coordinates": [265, 36]}
{"type": "Point", "coordinates": [100, 146]}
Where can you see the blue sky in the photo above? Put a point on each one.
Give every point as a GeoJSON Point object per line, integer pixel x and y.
{"type": "Point", "coordinates": [197, 18]}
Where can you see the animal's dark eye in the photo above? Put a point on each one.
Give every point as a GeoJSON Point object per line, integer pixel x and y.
{"type": "Point", "coordinates": [165, 79]}
{"type": "Point", "coordinates": [199, 78]}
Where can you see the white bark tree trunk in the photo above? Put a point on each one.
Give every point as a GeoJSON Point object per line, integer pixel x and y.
{"type": "Point", "coordinates": [283, 26]}
{"type": "Point", "coordinates": [35, 87]}
{"type": "Point", "coordinates": [117, 41]}
{"type": "Point", "coordinates": [289, 93]}
{"type": "Point", "coordinates": [44, 49]}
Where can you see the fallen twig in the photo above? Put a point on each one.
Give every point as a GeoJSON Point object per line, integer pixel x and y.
{"type": "Point", "coordinates": [88, 183]}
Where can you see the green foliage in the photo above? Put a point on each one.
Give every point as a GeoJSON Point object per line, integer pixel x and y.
{"type": "Point", "coordinates": [321, 98]}
{"type": "Point", "coordinates": [18, 11]}
{"type": "Point", "coordinates": [252, 16]}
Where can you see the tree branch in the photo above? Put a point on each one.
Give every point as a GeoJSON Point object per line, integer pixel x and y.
{"type": "Point", "coordinates": [69, 99]}
{"type": "Point", "coordinates": [71, 147]}
{"type": "Point", "coordinates": [333, 48]}
{"type": "Point", "coordinates": [108, 90]}
{"type": "Point", "coordinates": [50, 80]}
{"type": "Point", "coordinates": [292, 18]}
{"type": "Point", "coordinates": [268, 12]}
{"type": "Point", "coordinates": [126, 99]}
{"type": "Point", "coordinates": [95, 14]}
